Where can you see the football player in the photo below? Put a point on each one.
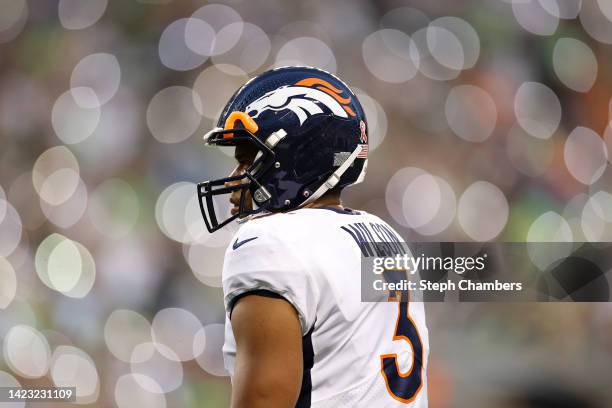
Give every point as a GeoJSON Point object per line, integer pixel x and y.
{"type": "Point", "coordinates": [297, 333]}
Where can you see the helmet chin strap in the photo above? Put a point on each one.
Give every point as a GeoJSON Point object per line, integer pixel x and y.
{"type": "Point", "coordinates": [334, 178]}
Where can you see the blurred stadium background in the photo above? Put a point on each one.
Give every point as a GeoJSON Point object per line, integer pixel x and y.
{"type": "Point", "coordinates": [488, 121]}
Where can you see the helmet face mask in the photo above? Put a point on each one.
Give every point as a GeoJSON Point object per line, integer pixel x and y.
{"type": "Point", "coordinates": [244, 182]}
{"type": "Point", "coordinates": [309, 131]}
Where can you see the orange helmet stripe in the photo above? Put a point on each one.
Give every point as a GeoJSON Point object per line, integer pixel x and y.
{"type": "Point", "coordinates": [247, 121]}
{"type": "Point", "coordinates": [318, 81]}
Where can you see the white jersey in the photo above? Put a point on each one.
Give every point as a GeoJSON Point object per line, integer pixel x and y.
{"type": "Point", "coordinates": [356, 354]}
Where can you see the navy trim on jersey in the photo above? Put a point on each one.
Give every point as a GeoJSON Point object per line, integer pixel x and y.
{"type": "Point", "coordinates": [256, 292]}
{"type": "Point", "coordinates": [304, 400]}
{"type": "Point", "coordinates": [346, 211]}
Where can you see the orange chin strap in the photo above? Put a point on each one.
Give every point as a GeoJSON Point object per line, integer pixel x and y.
{"type": "Point", "coordinates": [247, 121]}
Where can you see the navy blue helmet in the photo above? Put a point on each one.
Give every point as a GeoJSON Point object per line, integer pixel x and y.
{"type": "Point", "coordinates": [310, 133]}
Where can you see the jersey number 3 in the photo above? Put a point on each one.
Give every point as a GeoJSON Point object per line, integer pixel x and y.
{"type": "Point", "coordinates": [404, 387]}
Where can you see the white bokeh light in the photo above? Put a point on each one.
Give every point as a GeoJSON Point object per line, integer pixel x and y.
{"type": "Point", "coordinates": [78, 14]}
{"type": "Point", "coordinates": [55, 175]}
{"type": "Point", "coordinates": [173, 114]}
{"type": "Point", "coordinates": [26, 351]}
{"type": "Point", "coordinates": [206, 263]}
{"type": "Point", "coordinates": [250, 52]}
{"type": "Point", "coordinates": [65, 266]}
{"type": "Point", "coordinates": [595, 21]}
{"type": "Point", "coordinates": [208, 345]}
{"type": "Point", "coordinates": [8, 283]}
{"type": "Point", "coordinates": [566, 9]}
{"type": "Point", "coordinates": [394, 193]}
{"type": "Point", "coordinates": [445, 211]}
{"type": "Point", "coordinates": [596, 219]}
{"type": "Point", "coordinates": [536, 19]}
{"type": "Point", "coordinates": [173, 50]}
{"type": "Point", "coordinates": [549, 227]}
{"type": "Point", "coordinates": [421, 200]}
{"type": "Point", "coordinates": [585, 155]}
{"type": "Point", "coordinates": [483, 211]}
{"type": "Point", "coordinates": [175, 328]}
{"type": "Point", "coordinates": [537, 109]}
{"type": "Point", "coordinates": [11, 229]}
{"type": "Point", "coordinates": [467, 37]}
{"type": "Point", "coordinates": [99, 73]}
{"type": "Point", "coordinates": [72, 367]}
{"type": "Point", "coordinates": [123, 331]}
{"type": "Point", "coordinates": [7, 380]}
{"type": "Point", "coordinates": [307, 51]}
{"type": "Point", "coordinates": [74, 116]}
{"type": "Point", "coordinates": [12, 19]}
{"type": "Point", "coordinates": [386, 54]}
{"type": "Point", "coordinates": [148, 361]}
{"type": "Point", "coordinates": [222, 34]}
{"type": "Point", "coordinates": [581, 74]}
{"type": "Point", "coordinates": [215, 86]}
{"type": "Point", "coordinates": [437, 52]}
{"type": "Point", "coordinates": [471, 113]}
{"type": "Point", "coordinates": [133, 390]}
{"type": "Point", "coordinates": [70, 211]}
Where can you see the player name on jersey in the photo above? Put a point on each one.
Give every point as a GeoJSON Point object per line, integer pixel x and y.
{"type": "Point", "coordinates": [375, 239]}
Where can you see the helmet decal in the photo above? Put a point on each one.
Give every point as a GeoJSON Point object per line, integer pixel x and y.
{"type": "Point", "coordinates": [303, 100]}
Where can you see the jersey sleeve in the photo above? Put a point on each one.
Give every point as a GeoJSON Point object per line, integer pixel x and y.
{"type": "Point", "coordinates": [269, 261]}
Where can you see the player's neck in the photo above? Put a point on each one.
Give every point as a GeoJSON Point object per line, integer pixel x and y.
{"type": "Point", "coordinates": [328, 200]}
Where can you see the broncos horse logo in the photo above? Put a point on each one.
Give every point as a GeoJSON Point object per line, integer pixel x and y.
{"type": "Point", "coordinates": [304, 98]}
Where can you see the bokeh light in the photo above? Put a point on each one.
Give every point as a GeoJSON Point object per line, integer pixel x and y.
{"type": "Point", "coordinates": [13, 19]}
{"type": "Point", "coordinates": [132, 390]}
{"type": "Point", "coordinates": [173, 50]}
{"type": "Point", "coordinates": [11, 229]}
{"type": "Point", "coordinates": [535, 18]}
{"type": "Point", "coordinates": [471, 113]}
{"type": "Point", "coordinates": [99, 73]}
{"type": "Point", "coordinates": [250, 52]}
{"type": "Point", "coordinates": [55, 175]}
{"type": "Point", "coordinates": [224, 29]}
{"type": "Point", "coordinates": [215, 86]}
{"type": "Point", "coordinates": [124, 330]}
{"type": "Point", "coordinates": [386, 54]}
{"type": "Point", "coordinates": [307, 51]}
{"type": "Point", "coordinates": [553, 228]}
{"type": "Point", "coordinates": [581, 74]}
{"type": "Point", "coordinates": [65, 265]}
{"type": "Point", "coordinates": [175, 328]}
{"type": "Point", "coordinates": [72, 367]}
{"type": "Point", "coordinates": [26, 351]}
{"type": "Point", "coordinates": [173, 114]}
{"type": "Point", "coordinates": [149, 361]}
{"type": "Point", "coordinates": [208, 345]}
{"type": "Point", "coordinates": [69, 212]}
{"type": "Point", "coordinates": [537, 109]}
{"type": "Point", "coordinates": [483, 201]}
{"type": "Point", "coordinates": [8, 283]}
{"type": "Point", "coordinates": [585, 155]}
{"type": "Point", "coordinates": [7, 380]}
{"type": "Point", "coordinates": [78, 14]}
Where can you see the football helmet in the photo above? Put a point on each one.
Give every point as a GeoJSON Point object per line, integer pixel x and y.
{"type": "Point", "coordinates": [310, 133]}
